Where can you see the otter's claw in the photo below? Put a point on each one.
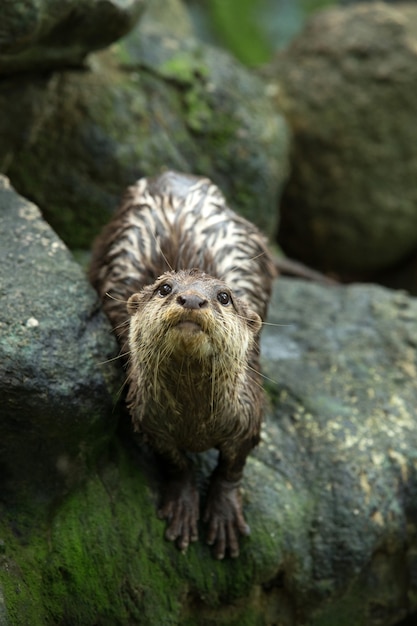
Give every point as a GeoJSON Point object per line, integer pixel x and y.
{"type": "Point", "coordinates": [180, 508]}
{"type": "Point", "coordinates": [225, 518]}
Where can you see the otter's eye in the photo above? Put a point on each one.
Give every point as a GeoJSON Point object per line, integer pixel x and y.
{"type": "Point", "coordinates": [223, 297]}
{"type": "Point", "coordinates": [164, 289]}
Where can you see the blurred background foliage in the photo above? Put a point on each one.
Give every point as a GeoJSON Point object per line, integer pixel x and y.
{"type": "Point", "coordinates": [252, 30]}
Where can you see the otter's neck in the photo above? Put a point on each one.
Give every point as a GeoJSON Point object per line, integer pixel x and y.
{"type": "Point", "coordinates": [200, 387]}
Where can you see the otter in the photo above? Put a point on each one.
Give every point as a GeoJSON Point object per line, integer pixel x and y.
{"type": "Point", "coordinates": [185, 282]}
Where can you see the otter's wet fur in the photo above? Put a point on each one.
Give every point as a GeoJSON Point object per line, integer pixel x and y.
{"type": "Point", "coordinates": [197, 279]}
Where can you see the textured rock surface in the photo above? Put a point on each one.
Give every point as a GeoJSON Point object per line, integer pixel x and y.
{"type": "Point", "coordinates": [73, 141]}
{"type": "Point", "coordinates": [43, 34]}
{"type": "Point", "coordinates": [330, 495]}
{"type": "Point", "coordinates": [331, 492]}
{"type": "Point", "coordinates": [240, 139]}
{"type": "Point", "coordinates": [56, 412]}
{"type": "Point", "coordinates": [343, 443]}
{"type": "Point", "coordinates": [347, 85]}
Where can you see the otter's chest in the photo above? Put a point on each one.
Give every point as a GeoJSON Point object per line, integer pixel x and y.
{"type": "Point", "coordinates": [194, 423]}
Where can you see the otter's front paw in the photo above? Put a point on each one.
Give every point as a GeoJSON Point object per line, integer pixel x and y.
{"type": "Point", "coordinates": [225, 518]}
{"type": "Point", "coordinates": [180, 507]}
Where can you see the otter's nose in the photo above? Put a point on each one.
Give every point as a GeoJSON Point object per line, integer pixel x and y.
{"type": "Point", "coordinates": [192, 301]}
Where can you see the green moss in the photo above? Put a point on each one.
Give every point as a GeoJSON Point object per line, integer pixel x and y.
{"type": "Point", "coordinates": [102, 560]}
{"type": "Point", "coordinates": [199, 112]}
{"type": "Point", "coordinates": [97, 556]}
{"type": "Point", "coordinates": [191, 72]}
{"type": "Point", "coordinates": [183, 68]}
{"type": "Point", "coordinates": [344, 612]}
{"type": "Point", "coordinates": [88, 565]}
{"type": "Point", "coordinates": [232, 616]}
{"type": "Point", "coordinates": [23, 533]}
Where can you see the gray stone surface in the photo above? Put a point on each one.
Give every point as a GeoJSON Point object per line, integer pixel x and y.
{"type": "Point", "coordinates": [74, 140]}
{"type": "Point", "coordinates": [56, 411]}
{"type": "Point", "coordinates": [43, 34]}
{"type": "Point", "coordinates": [330, 494]}
{"type": "Point", "coordinates": [347, 85]}
{"type": "Point", "coordinates": [342, 442]}
{"type": "Point", "coordinates": [242, 141]}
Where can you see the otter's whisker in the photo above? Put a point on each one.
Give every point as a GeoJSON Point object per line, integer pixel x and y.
{"type": "Point", "coordinates": [109, 295]}
{"type": "Point", "coordinates": [179, 379]}
{"type": "Point", "coordinates": [236, 267]}
{"type": "Point", "coordinates": [259, 373]}
{"type": "Point", "coordinates": [115, 358]}
{"type": "Point", "coordinates": [158, 243]}
{"type": "Point", "coordinates": [271, 380]}
{"type": "Point", "coordinates": [122, 325]}
{"type": "Point", "coordinates": [120, 390]}
{"type": "Point", "coordinates": [213, 383]}
{"type": "Point", "coordinates": [266, 323]}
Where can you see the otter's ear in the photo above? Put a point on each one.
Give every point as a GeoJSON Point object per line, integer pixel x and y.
{"type": "Point", "coordinates": [133, 303]}
{"type": "Point", "coordinates": [254, 321]}
{"type": "Point", "coordinates": [139, 299]}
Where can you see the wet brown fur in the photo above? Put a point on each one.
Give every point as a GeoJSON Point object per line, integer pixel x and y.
{"type": "Point", "coordinates": [193, 366]}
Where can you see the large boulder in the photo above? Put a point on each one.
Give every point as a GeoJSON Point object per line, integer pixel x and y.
{"type": "Point", "coordinates": [74, 139]}
{"type": "Point", "coordinates": [330, 494]}
{"type": "Point", "coordinates": [342, 371]}
{"type": "Point", "coordinates": [347, 86]}
{"type": "Point", "coordinates": [56, 409]}
{"type": "Point", "coordinates": [43, 34]}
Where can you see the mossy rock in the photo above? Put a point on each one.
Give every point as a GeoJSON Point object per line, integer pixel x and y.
{"type": "Point", "coordinates": [75, 139]}
{"type": "Point", "coordinates": [329, 494]}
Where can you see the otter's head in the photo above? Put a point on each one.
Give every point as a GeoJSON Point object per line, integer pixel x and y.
{"type": "Point", "coordinates": [189, 314]}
